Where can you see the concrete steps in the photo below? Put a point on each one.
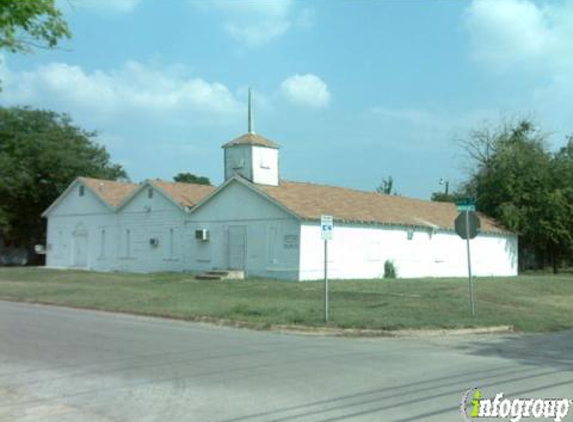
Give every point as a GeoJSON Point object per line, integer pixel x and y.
{"type": "Point", "coordinates": [221, 275]}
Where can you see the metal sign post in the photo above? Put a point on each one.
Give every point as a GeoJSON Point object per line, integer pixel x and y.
{"type": "Point", "coordinates": [467, 226]}
{"type": "Point", "coordinates": [326, 227]}
{"type": "Point", "coordinates": [472, 303]}
{"type": "Point", "coordinates": [325, 280]}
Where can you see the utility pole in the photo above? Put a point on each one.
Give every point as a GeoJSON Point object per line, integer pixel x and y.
{"type": "Point", "coordinates": [446, 184]}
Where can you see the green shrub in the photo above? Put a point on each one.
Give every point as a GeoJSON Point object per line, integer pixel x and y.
{"type": "Point", "coordinates": [390, 269]}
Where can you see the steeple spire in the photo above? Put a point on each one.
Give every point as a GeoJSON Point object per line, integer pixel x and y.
{"type": "Point", "coordinates": [251, 125]}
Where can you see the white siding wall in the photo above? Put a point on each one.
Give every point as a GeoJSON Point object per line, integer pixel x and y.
{"type": "Point", "coordinates": [143, 219]}
{"type": "Point", "coordinates": [256, 163]}
{"type": "Point", "coordinates": [359, 251]}
{"type": "Point", "coordinates": [272, 247]}
{"type": "Point", "coordinates": [276, 242]}
{"type": "Point", "coordinates": [86, 212]}
{"type": "Point", "coordinates": [265, 165]}
{"type": "Point", "coordinates": [238, 160]}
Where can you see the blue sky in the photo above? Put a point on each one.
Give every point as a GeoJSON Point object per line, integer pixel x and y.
{"type": "Point", "coordinates": [354, 91]}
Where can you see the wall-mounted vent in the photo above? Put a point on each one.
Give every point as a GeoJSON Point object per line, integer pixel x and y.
{"type": "Point", "coordinates": [154, 241]}
{"type": "Point", "coordinates": [290, 241]}
{"type": "Point", "coordinates": [202, 235]}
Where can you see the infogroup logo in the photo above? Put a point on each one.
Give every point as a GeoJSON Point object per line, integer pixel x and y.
{"type": "Point", "coordinates": [474, 407]}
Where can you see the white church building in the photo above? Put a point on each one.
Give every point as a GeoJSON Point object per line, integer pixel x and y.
{"type": "Point", "coordinates": [263, 225]}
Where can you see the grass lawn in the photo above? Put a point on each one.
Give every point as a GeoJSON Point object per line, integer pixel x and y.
{"type": "Point", "coordinates": [529, 303]}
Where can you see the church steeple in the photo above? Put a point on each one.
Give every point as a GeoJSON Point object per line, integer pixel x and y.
{"type": "Point", "coordinates": [252, 156]}
{"type": "Point", "coordinates": [250, 114]}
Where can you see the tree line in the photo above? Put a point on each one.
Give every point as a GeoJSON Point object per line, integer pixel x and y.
{"type": "Point", "coordinates": [518, 180]}
{"type": "Point", "coordinates": [514, 176]}
{"type": "Point", "coordinates": [41, 153]}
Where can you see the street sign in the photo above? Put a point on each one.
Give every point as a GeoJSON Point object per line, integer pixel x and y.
{"type": "Point", "coordinates": [466, 204]}
{"type": "Point", "coordinates": [326, 227]}
{"type": "Point", "coordinates": [467, 226]}
{"type": "Point", "coordinates": [462, 208]}
{"type": "Point", "coordinates": [465, 201]}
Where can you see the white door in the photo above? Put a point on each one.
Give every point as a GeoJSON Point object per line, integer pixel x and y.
{"type": "Point", "coordinates": [80, 250]}
{"type": "Point", "coordinates": [237, 242]}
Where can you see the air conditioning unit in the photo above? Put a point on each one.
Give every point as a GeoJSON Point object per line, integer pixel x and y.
{"type": "Point", "coordinates": [202, 235]}
{"type": "Point", "coordinates": [154, 241]}
{"type": "Point", "coordinates": [40, 249]}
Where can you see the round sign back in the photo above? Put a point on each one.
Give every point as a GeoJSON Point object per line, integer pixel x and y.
{"type": "Point", "coordinates": [467, 227]}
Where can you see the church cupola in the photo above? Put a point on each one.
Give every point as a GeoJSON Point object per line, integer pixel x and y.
{"type": "Point", "coordinates": [252, 156]}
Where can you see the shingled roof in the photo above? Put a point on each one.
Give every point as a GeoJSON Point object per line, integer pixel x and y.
{"type": "Point", "coordinates": [110, 191]}
{"type": "Point", "coordinates": [114, 193]}
{"type": "Point", "coordinates": [310, 201]}
{"type": "Point", "coordinates": [185, 194]}
{"type": "Point", "coordinates": [252, 139]}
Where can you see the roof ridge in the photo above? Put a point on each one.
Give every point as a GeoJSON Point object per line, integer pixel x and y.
{"type": "Point", "coordinates": [311, 200]}
{"type": "Point", "coordinates": [106, 180]}
{"type": "Point", "coordinates": [399, 197]}
{"type": "Point", "coordinates": [111, 192]}
{"type": "Point", "coordinates": [179, 183]}
{"type": "Point", "coordinates": [252, 139]}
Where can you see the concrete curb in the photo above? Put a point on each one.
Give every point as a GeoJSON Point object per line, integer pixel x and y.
{"type": "Point", "coordinates": [292, 329]}
{"type": "Point", "coordinates": [358, 332]}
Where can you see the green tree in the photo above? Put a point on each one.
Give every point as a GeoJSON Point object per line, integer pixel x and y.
{"type": "Point", "coordinates": [446, 197]}
{"type": "Point", "coordinates": [560, 204]}
{"type": "Point", "coordinates": [28, 24]}
{"type": "Point", "coordinates": [387, 186]}
{"type": "Point", "coordinates": [191, 178]}
{"type": "Point", "coordinates": [41, 153]}
{"type": "Point", "coordinates": [519, 182]}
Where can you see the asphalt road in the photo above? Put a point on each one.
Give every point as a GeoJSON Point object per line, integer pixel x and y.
{"type": "Point", "coordinates": [69, 365]}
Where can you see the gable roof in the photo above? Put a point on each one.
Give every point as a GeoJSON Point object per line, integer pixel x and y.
{"type": "Point", "coordinates": [184, 194]}
{"type": "Point", "coordinates": [253, 187]}
{"type": "Point", "coordinates": [110, 191]}
{"type": "Point", "coordinates": [252, 139]}
{"type": "Point", "coordinates": [116, 194]}
{"type": "Point", "coordinates": [310, 201]}
{"type": "Point", "coordinates": [307, 201]}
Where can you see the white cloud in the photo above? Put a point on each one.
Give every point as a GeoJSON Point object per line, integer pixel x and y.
{"type": "Point", "coordinates": [255, 23]}
{"type": "Point", "coordinates": [259, 34]}
{"type": "Point", "coordinates": [531, 42]}
{"type": "Point", "coordinates": [307, 90]}
{"type": "Point", "coordinates": [134, 89]}
{"type": "Point", "coordinates": [105, 6]}
{"type": "Point", "coordinates": [553, 104]}
{"type": "Point", "coordinates": [509, 33]}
